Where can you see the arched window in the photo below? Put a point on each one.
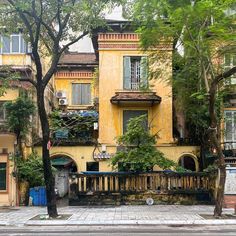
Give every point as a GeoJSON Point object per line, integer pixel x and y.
{"type": "Point", "coordinates": [187, 162]}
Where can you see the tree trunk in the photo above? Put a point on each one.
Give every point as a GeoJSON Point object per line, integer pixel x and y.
{"type": "Point", "coordinates": [216, 144]}
{"type": "Point", "coordinates": [48, 176]}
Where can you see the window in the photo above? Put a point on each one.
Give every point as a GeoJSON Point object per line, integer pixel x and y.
{"type": "Point", "coordinates": [92, 166]}
{"type": "Point", "coordinates": [135, 73]}
{"type": "Point", "coordinates": [230, 129]}
{"type": "Point", "coordinates": [128, 114]}
{"type": "Point", "coordinates": [13, 44]}
{"type": "Point", "coordinates": [3, 176]}
{"type": "Point", "coordinates": [81, 94]}
{"type": "Point", "coordinates": [230, 62]}
{"type": "Point", "coordinates": [2, 112]}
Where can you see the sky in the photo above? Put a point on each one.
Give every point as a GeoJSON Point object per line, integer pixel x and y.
{"type": "Point", "coordinates": [85, 45]}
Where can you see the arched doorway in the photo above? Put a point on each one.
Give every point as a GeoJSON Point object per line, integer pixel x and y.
{"type": "Point", "coordinates": [63, 165]}
{"type": "Point", "coordinates": [188, 162]}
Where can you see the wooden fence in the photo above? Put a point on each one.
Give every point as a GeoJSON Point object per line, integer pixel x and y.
{"type": "Point", "coordinates": [160, 182]}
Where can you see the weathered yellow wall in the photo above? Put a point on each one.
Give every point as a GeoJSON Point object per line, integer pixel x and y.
{"type": "Point", "coordinates": [66, 85]}
{"type": "Point", "coordinates": [15, 59]}
{"type": "Point", "coordinates": [111, 81]}
{"type": "Point", "coordinates": [8, 198]}
{"type": "Point", "coordinates": [11, 94]}
{"type": "Point", "coordinates": [82, 154]}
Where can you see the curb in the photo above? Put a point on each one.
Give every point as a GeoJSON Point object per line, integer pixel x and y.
{"type": "Point", "coordinates": [129, 222]}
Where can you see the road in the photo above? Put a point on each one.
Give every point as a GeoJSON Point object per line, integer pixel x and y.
{"type": "Point", "coordinates": [120, 230]}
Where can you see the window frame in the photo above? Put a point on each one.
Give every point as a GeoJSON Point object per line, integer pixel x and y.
{"type": "Point", "coordinates": [91, 163]}
{"type": "Point", "coordinates": [231, 144]}
{"type": "Point", "coordinates": [90, 90]}
{"type": "Point", "coordinates": [7, 176]}
{"type": "Point", "coordinates": [127, 109]}
{"type": "Point", "coordinates": [140, 79]}
{"type": "Point", "coordinates": [4, 112]}
{"type": "Point", "coordinates": [20, 40]}
{"type": "Point", "coordinates": [228, 81]}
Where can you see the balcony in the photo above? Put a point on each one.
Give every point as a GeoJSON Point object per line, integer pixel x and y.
{"type": "Point", "coordinates": [74, 128]}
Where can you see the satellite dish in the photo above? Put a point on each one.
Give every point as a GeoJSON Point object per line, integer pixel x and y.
{"type": "Point", "coordinates": [149, 201]}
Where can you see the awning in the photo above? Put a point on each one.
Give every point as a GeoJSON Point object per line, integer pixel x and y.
{"type": "Point", "coordinates": [148, 98]}
{"type": "Point", "coordinates": [61, 161]}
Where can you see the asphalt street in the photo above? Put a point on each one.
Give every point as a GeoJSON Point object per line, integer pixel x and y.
{"type": "Point", "coordinates": [120, 230]}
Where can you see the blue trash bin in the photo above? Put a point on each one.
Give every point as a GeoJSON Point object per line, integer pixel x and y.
{"type": "Point", "coordinates": [38, 195]}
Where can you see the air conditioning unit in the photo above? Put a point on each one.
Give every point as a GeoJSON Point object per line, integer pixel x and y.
{"type": "Point", "coordinates": [61, 94]}
{"type": "Point", "coordinates": [63, 102]}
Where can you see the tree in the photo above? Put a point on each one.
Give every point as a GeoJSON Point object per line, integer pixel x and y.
{"type": "Point", "coordinates": [30, 170]}
{"type": "Point", "coordinates": [51, 26]}
{"type": "Point", "coordinates": [139, 152]}
{"type": "Point", "coordinates": [18, 118]}
{"type": "Point", "coordinates": [202, 31]}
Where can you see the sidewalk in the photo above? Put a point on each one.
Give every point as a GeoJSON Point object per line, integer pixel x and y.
{"type": "Point", "coordinates": [117, 215]}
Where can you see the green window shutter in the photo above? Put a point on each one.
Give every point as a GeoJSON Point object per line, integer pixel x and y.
{"type": "Point", "coordinates": [144, 72]}
{"type": "Point", "coordinates": [127, 73]}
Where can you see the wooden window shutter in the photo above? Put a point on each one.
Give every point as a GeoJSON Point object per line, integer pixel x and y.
{"type": "Point", "coordinates": [76, 94]}
{"type": "Point", "coordinates": [86, 94]}
{"type": "Point", "coordinates": [127, 73]}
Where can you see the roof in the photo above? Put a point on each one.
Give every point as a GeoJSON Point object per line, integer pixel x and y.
{"type": "Point", "coordinates": [19, 84]}
{"type": "Point", "coordinates": [131, 96]}
{"type": "Point", "coordinates": [75, 58]}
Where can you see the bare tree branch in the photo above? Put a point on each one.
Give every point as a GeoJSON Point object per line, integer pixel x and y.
{"type": "Point", "coordinates": [72, 42]}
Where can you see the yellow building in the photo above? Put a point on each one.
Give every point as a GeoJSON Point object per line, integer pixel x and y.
{"type": "Point", "coordinates": [14, 54]}
{"type": "Point", "coordinates": [117, 88]}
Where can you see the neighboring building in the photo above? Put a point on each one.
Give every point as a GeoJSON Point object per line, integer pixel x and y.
{"type": "Point", "coordinates": [117, 95]}
{"type": "Point", "coordinates": [15, 54]}
{"type": "Point", "coordinates": [229, 127]}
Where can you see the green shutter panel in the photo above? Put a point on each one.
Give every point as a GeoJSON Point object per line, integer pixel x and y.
{"type": "Point", "coordinates": [127, 73]}
{"type": "Point", "coordinates": [144, 72]}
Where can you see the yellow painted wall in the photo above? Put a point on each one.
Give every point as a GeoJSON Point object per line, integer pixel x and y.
{"type": "Point", "coordinates": [11, 94]}
{"type": "Point", "coordinates": [15, 59]}
{"type": "Point", "coordinates": [80, 154]}
{"type": "Point", "coordinates": [111, 116]}
{"type": "Point", "coordinates": [83, 154]}
{"type": "Point", "coordinates": [8, 198]}
{"type": "Point", "coordinates": [111, 81]}
{"type": "Point", "coordinates": [65, 84]}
